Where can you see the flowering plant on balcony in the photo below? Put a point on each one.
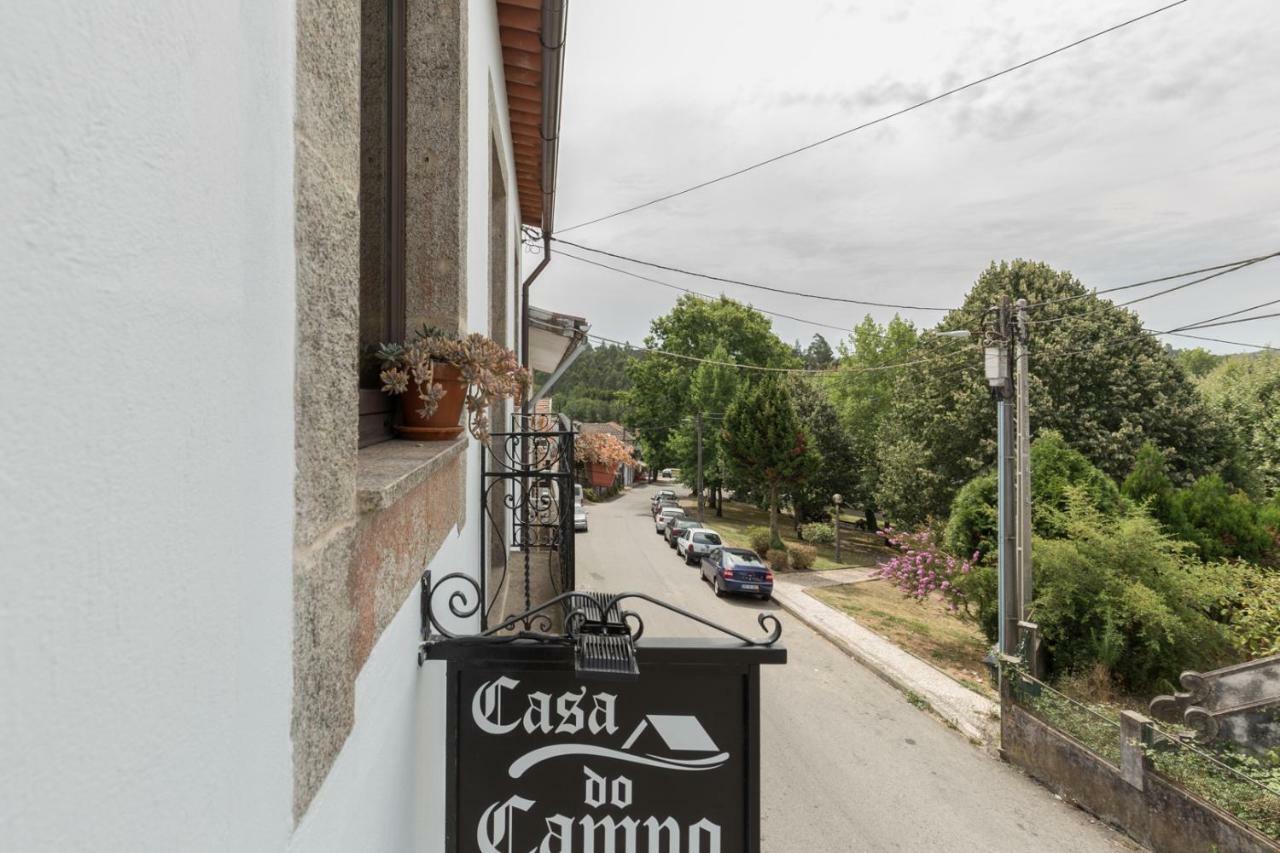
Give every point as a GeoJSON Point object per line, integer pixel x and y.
{"type": "Point", "coordinates": [444, 374]}
{"type": "Point", "coordinates": [603, 454]}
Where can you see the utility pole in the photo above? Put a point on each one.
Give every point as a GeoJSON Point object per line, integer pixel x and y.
{"type": "Point", "coordinates": [700, 521]}
{"type": "Point", "coordinates": [999, 363]}
{"type": "Point", "coordinates": [1022, 419]}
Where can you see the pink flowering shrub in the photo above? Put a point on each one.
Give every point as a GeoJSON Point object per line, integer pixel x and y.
{"type": "Point", "coordinates": [921, 568]}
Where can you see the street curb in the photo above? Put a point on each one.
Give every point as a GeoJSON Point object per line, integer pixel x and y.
{"type": "Point", "coordinates": [970, 713]}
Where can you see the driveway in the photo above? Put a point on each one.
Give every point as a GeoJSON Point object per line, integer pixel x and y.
{"type": "Point", "coordinates": [848, 764]}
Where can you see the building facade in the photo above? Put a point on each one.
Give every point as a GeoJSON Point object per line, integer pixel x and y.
{"type": "Point", "coordinates": [212, 547]}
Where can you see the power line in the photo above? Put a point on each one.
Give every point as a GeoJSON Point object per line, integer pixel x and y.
{"type": "Point", "coordinates": [1228, 322]}
{"type": "Point", "coordinates": [1100, 308]}
{"type": "Point", "coordinates": [1149, 281]}
{"type": "Point", "coordinates": [695, 358]}
{"type": "Point", "coordinates": [831, 371]}
{"type": "Point", "coordinates": [565, 254]}
{"type": "Point", "coordinates": [1179, 331]}
{"type": "Point", "coordinates": [872, 123]}
{"type": "Point", "coordinates": [1237, 313]}
{"type": "Point", "coordinates": [1222, 341]}
{"type": "Point", "coordinates": [769, 288]}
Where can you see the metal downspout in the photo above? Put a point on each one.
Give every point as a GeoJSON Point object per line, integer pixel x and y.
{"type": "Point", "coordinates": [524, 313]}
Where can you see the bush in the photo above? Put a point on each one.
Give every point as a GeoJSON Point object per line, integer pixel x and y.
{"type": "Point", "coordinates": [802, 556]}
{"type": "Point", "coordinates": [1121, 593]}
{"type": "Point", "coordinates": [1221, 522]}
{"type": "Point", "coordinates": [1115, 591]}
{"type": "Point", "coordinates": [920, 569]}
{"type": "Point", "coordinates": [819, 532]}
{"type": "Point", "coordinates": [973, 523]}
{"type": "Point", "coordinates": [1255, 624]}
{"type": "Point", "coordinates": [1055, 468]}
{"type": "Point", "coordinates": [778, 560]}
{"type": "Point", "coordinates": [759, 537]}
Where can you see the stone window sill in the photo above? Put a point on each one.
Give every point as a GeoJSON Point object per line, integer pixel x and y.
{"type": "Point", "coordinates": [387, 471]}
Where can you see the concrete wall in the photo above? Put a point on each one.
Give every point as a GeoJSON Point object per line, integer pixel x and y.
{"type": "Point", "coordinates": [1164, 817]}
{"type": "Point", "coordinates": [146, 434]}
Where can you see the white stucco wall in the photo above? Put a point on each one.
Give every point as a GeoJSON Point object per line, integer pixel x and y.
{"type": "Point", "coordinates": [385, 793]}
{"type": "Point", "coordinates": [146, 446]}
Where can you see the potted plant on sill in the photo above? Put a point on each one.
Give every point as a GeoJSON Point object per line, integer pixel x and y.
{"type": "Point", "coordinates": [602, 454]}
{"type": "Point", "coordinates": [436, 375]}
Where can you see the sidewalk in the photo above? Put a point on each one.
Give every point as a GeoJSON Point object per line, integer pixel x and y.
{"type": "Point", "coordinates": [975, 716]}
{"type": "Point", "coordinates": [818, 578]}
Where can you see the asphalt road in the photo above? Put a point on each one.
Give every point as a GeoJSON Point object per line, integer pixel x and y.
{"type": "Point", "coordinates": [848, 764]}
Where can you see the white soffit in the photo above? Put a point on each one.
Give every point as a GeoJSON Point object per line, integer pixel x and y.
{"type": "Point", "coordinates": [552, 337]}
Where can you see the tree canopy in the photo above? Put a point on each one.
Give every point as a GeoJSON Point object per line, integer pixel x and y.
{"type": "Point", "coordinates": [1244, 393]}
{"type": "Point", "coordinates": [592, 389]}
{"type": "Point", "coordinates": [764, 441]}
{"type": "Point", "coordinates": [861, 389]}
{"type": "Point", "coordinates": [1096, 377]}
{"type": "Point", "coordinates": [712, 390]}
{"type": "Point", "coordinates": [661, 392]}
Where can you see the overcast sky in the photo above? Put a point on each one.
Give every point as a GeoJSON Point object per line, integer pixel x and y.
{"type": "Point", "coordinates": [1148, 151]}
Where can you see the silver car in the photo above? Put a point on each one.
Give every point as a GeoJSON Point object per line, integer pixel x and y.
{"type": "Point", "coordinates": [696, 543]}
{"type": "Point", "coordinates": [580, 517]}
{"type": "Point", "coordinates": [660, 520]}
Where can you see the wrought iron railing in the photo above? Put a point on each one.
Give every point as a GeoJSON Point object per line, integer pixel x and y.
{"type": "Point", "coordinates": [527, 508]}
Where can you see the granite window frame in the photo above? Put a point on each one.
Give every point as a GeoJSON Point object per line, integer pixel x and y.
{"type": "Point", "coordinates": [384, 133]}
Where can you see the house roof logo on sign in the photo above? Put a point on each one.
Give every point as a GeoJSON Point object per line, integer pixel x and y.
{"type": "Point", "coordinates": [674, 734]}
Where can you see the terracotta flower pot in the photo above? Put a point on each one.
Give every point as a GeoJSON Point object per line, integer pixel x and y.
{"type": "Point", "coordinates": [600, 475]}
{"type": "Point", "coordinates": [444, 423]}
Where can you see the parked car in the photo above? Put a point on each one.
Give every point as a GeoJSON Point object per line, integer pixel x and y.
{"type": "Point", "coordinates": [696, 543]}
{"type": "Point", "coordinates": [663, 504]}
{"type": "Point", "coordinates": [580, 517]}
{"type": "Point", "coordinates": [675, 526]}
{"type": "Point", "coordinates": [737, 570]}
{"type": "Point", "coordinates": [577, 493]}
{"type": "Point", "coordinates": [668, 494]}
{"type": "Point", "coordinates": [660, 522]}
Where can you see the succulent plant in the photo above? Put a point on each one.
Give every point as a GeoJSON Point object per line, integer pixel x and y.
{"type": "Point", "coordinates": [491, 372]}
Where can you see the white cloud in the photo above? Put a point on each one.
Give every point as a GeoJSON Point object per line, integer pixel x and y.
{"type": "Point", "coordinates": [1147, 151]}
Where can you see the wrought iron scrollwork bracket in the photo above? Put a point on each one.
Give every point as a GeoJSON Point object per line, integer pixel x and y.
{"type": "Point", "coordinates": [601, 631]}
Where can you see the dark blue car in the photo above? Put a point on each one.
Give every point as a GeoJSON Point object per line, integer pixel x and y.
{"type": "Point", "coordinates": [737, 570]}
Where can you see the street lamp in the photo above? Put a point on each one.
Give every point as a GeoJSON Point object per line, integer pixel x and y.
{"type": "Point", "coordinates": [837, 499]}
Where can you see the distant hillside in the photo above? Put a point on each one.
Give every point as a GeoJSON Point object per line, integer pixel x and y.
{"type": "Point", "coordinates": [592, 388]}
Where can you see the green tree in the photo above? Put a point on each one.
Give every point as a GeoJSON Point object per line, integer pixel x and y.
{"type": "Point", "coordinates": [1057, 471]}
{"type": "Point", "coordinates": [1096, 377]}
{"type": "Point", "coordinates": [765, 441]}
{"type": "Point", "coordinates": [1149, 482]}
{"type": "Point", "coordinates": [592, 389]}
{"type": "Point", "coordinates": [660, 395]}
{"type": "Point", "coordinates": [862, 390]}
{"type": "Point", "coordinates": [819, 355]}
{"type": "Point", "coordinates": [1243, 391]}
{"type": "Point", "coordinates": [1196, 361]}
{"type": "Point", "coordinates": [1220, 521]}
{"type": "Point", "coordinates": [839, 464]}
{"type": "Point", "coordinates": [712, 390]}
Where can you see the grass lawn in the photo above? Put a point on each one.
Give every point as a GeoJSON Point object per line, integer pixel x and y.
{"type": "Point", "coordinates": [855, 549]}
{"type": "Point", "coordinates": [926, 629]}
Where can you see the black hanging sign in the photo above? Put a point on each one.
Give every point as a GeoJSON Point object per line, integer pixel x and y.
{"type": "Point", "coordinates": [543, 759]}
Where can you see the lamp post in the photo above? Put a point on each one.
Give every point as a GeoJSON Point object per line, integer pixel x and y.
{"type": "Point", "coordinates": [837, 499]}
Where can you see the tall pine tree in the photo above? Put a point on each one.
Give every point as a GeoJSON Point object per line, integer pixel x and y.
{"type": "Point", "coordinates": [765, 442]}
